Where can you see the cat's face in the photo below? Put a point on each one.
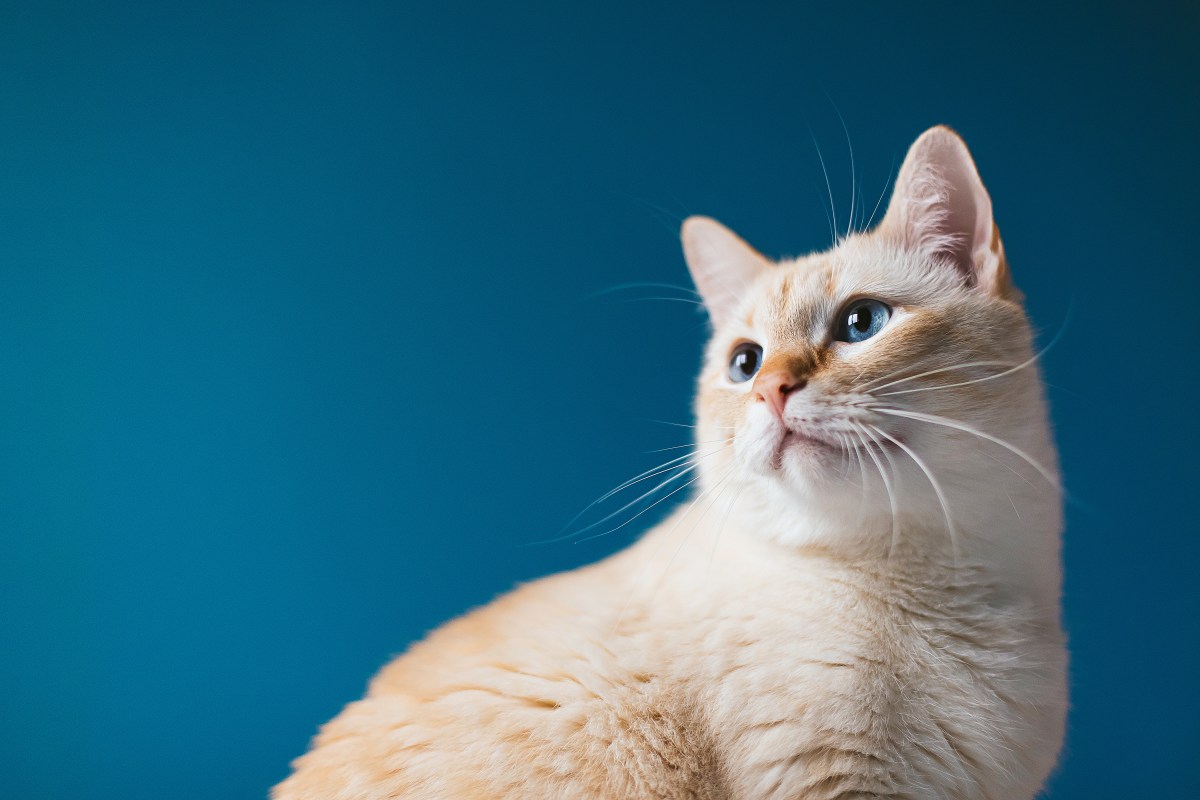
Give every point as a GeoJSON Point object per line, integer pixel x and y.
{"type": "Point", "coordinates": [879, 383]}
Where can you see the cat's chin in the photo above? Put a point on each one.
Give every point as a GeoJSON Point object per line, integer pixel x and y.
{"type": "Point", "coordinates": [807, 462]}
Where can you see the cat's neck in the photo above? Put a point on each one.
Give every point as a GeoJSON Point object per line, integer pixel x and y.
{"type": "Point", "coordinates": [1015, 556]}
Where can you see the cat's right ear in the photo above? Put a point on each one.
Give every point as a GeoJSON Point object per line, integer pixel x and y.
{"type": "Point", "coordinates": [722, 265]}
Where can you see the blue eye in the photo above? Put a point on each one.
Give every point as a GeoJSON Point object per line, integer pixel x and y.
{"type": "Point", "coordinates": [861, 320]}
{"type": "Point", "coordinates": [744, 362]}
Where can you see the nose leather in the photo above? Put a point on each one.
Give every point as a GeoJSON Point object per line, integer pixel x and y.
{"type": "Point", "coordinates": [774, 386]}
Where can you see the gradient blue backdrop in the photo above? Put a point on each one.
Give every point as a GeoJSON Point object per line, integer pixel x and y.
{"type": "Point", "coordinates": [300, 340]}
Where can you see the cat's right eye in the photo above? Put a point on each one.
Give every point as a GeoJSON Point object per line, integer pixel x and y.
{"type": "Point", "coordinates": [744, 362]}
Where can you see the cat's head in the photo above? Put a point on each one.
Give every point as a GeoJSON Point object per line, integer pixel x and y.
{"type": "Point", "coordinates": [883, 388]}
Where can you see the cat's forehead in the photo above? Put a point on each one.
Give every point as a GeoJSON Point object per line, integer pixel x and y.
{"type": "Point", "coordinates": [797, 291]}
{"type": "Point", "coordinates": [800, 295]}
{"type": "Point", "coordinates": [792, 292]}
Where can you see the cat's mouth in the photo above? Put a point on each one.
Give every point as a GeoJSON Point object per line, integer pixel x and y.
{"type": "Point", "coordinates": [802, 440]}
{"type": "Point", "coordinates": [812, 443]}
{"type": "Point", "coordinates": [809, 443]}
{"type": "Point", "coordinates": [793, 437]}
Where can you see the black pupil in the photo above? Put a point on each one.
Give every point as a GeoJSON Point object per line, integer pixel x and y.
{"type": "Point", "coordinates": [747, 361]}
{"type": "Point", "coordinates": [860, 318]}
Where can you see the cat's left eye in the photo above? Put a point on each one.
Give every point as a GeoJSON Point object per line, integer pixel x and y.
{"type": "Point", "coordinates": [861, 320]}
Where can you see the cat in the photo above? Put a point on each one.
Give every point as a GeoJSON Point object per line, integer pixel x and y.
{"type": "Point", "coordinates": [862, 601]}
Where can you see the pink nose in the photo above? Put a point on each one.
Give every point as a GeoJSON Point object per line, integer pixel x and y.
{"type": "Point", "coordinates": [774, 387]}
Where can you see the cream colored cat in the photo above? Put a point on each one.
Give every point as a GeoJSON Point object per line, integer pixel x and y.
{"type": "Point", "coordinates": [862, 601]}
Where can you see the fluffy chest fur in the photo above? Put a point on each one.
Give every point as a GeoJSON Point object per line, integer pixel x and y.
{"type": "Point", "coordinates": [890, 679]}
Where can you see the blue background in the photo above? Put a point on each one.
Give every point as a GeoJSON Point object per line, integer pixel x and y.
{"type": "Point", "coordinates": [303, 335]}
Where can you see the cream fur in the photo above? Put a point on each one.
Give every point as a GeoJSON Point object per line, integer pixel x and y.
{"type": "Point", "coordinates": [821, 621]}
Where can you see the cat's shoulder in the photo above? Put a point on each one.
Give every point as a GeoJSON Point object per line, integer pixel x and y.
{"type": "Point", "coordinates": [530, 628]}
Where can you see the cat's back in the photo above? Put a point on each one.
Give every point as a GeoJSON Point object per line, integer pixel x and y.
{"type": "Point", "coordinates": [533, 695]}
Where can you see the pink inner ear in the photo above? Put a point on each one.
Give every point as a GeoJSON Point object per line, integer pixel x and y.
{"type": "Point", "coordinates": [940, 206]}
{"type": "Point", "coordinates": [722, 265]}
{"type": "Point", "coordinates": [967, 221]}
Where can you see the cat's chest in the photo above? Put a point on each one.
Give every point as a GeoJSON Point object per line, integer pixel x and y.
{"type": "Point", "coordinates": [838, 686]}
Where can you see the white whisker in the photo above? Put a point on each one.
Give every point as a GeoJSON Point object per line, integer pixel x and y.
{"type": "Point", "coordinates": [1035, 357]}
{"type": "Point", "coordinates": [1017, 368]}
{"type": "Point", "coordinates": [866, 387]}
{"type": "Point", "coordinates": [666, 466]}
{"type": "Point", "coordinates": [891, 172]}
{"type": "Point", "coordinates": [638, 514]}
{"type": "Point", "coordinates": [685, 425]}
{"type": "Point", "coordinates": [932, 482]}
{"type": "Point", "coordinates": [853, 172]}
{"type": "Point", "coordinates": [721, 529]}
{"type": "Point", "coordinates": [689, 444]}
{"type": "Point", "coordinates": [887, 484]}
{"type": "Point", "coordinates": [959, 426]}
{"type": "Point", "coordinates": [667, 299]}
{"type": "Point", "coordinates": [645, 285]}
{"type": "Point", "coordinates": [654, 552]}
{"type": "Point", "coordinates": [1008, 467]}
{"type": "Point", "coordinates": [828, 187]}
{"type": "Point", "coordinates": [684, 469]}
{"type": "Point", "coordinates": [695, 459]}
{"type": "Point", "coordinates": [862, 470]}
{"type": "Point", "coordinates": [723, 482]}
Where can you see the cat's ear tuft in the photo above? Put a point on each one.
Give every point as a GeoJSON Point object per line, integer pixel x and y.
{"type": "Point", "coordinates": [721, 263]}
{"type": "Point", "coordinates": [941, 209]}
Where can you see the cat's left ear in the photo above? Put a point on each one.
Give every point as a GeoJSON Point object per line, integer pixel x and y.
{"type": "Point", "coordinates": [940, 209]}
{"type": "Point", "coordinates": [722, 265]}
